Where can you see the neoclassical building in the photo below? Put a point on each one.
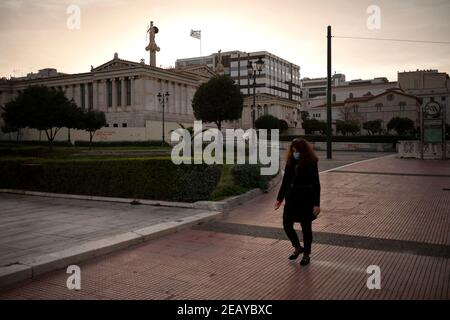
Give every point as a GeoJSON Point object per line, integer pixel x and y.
{"type": "Point", "coordinates": [126, 92]}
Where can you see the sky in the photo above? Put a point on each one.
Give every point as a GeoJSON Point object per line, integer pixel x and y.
{"type": "Point", "coordinates": [34, 34]}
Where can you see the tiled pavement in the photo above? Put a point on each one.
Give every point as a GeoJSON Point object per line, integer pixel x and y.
{"type": "Point", "coordinates": [31, 226]}
{"type": "Point", "coordinates": [387, 215]}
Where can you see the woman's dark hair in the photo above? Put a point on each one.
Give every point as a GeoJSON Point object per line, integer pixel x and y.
{"type": "Point", "coordinates": [306, 150]}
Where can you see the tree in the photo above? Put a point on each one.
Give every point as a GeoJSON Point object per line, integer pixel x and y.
{"type": "Point", "coordinates": [373, 127]}
{"type": "Point", "coordinates": [313, 125]}
{"type": "Point", "coordinates": [304, 115]}
{"type": "Point", "coordinates": [8, 130]}
{"type": "Point", "coordinates": [93, 120]}
{"type": "Point", "coordinates": [14, 117]}
{"type": "Point", "coordinates": [218, 100]}
{"type": "Point", "coordinates": [74, 119]}
{"type": "Point", "coordinates": [283, 126]}
{"type": "Point", "coordinates": [350, 126]}
{"type": "Point", "coordinates": [400, 125]}
{"type": "Point", "coordinates": [40, 108]}
{"type": "Point", "coordinates": [267, 122]}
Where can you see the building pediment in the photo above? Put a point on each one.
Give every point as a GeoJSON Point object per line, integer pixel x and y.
{"type": "Point", "coordinates": [202, 70]}
{"type": "Point", "coordinates": [116, 64]}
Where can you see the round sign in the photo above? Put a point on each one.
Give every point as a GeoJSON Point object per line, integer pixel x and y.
{"type": "Point", "coordinates": [432, 109]}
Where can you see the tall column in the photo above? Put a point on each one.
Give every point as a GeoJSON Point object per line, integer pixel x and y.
{"type": "Point", "coordinates": [102, 96]}
{"type": "Point", "coordinates": [143, 93]}
{"type": "Point", "coordinates": [114, 95]}
{"type": "Point", "coordinates": [133, 99]}
{"type": "Point", "coordinates": [179, 98]}
{"type": "Point", "coordinates": [183, 99]}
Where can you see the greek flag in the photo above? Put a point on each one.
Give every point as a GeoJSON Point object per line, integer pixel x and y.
{"type": "Point", "coordinates": [197, 34]}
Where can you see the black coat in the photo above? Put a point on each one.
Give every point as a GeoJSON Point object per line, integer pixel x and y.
{"type": "Point", "coordinates": [301, 190]}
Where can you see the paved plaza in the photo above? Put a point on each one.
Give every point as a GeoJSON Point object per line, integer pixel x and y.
{"type": "Point", "coordinates": [388, 212]}
{"type": "Point", "coordinates": [31, 226]}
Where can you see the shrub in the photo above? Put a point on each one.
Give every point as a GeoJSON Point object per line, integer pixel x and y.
{"type": "Point", "coordinates": [148, 143]}
{"type": "Point", "coordinates": [267, 122]}
{"type": "Point", "coordinates": [249, 176]}
{"type": "Point", "coordinates": [156, 178]}
{"type": "Point", "coordinates": [365, 138]}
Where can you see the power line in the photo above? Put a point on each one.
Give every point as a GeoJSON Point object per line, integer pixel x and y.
{"type": "Point", "coordinates": [390, 39]}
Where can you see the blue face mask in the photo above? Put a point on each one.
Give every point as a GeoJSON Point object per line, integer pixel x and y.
{"type": "Point", "coordinates": [296, 155]}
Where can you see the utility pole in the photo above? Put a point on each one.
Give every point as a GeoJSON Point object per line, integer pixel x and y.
{"type": "Point", "coordinates": [329, 146]}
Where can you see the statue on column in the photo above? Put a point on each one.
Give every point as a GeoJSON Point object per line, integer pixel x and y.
{"type": "Point", "coordinates": [219, 67]}
{"type": "Point", "coordinates": [152, 46]}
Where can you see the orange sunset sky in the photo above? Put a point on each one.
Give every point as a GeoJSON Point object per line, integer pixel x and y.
{"type": "Point", "coordinates": [34, 34]}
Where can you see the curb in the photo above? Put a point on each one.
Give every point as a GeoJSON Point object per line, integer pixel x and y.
{"type": "Point", "coordinates": [223, 206]}
{"type": "Point", "coordinates": [29, 268]}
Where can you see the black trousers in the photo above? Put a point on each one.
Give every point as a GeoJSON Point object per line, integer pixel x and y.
{"type": "Point", "coordinates": [288, 225]}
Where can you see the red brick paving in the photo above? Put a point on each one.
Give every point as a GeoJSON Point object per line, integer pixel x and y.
{"type": "Point", "coordinates": [196, 264]}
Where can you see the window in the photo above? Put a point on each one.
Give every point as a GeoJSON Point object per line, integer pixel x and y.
{"type": "Point", "coordinates": [379, 107]}
{"type": "Point", "coordinates": [115, 125]}
{"type": "Point", "coordinates": [443, 98]}
{"type": "Point", "coordinates": [107, 125]}
{"type": "Point", "coordinates": [350, 95]}
{"type": "Point", "coordinates": [355, 108]}
{"type": "Point", "coordinates": [334, 98]}
{"type": "Point", "coordinates": [109, 93]}
{"type": "Point", "coordinates": [119, 92]}
{"type": "Point", "coordinates": [390, 97]}
{"type": "Point", "coordinates": [124, 125]}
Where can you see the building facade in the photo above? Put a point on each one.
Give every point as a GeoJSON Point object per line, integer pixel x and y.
{"type": "Point", "coordinates": [279, 77]}
{"type": "Point", "coordinates": [428, 85]}
{"type": "Point", "coordinates": [317, 87]}
{"type": "Point", "coordinates": [126, 92]}
{"type": "Point", "coordinates": [384, 106]}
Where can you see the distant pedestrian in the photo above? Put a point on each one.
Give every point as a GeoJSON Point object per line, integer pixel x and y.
{"type": "Point", "coordinates": [301, 191]}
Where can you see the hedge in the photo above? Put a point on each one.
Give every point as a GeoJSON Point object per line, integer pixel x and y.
{"type": "Point", "coordinates": [148, 143]}
{"type": "Point", "coordinates": [362, 139]}
{"type": "Point", "coordinates": [156, 178]}
{"type": "Point", "coordinates": [249, 176]}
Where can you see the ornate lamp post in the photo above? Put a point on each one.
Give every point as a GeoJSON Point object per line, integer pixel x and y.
{"type": "Point", "coordinates": [163, 98]}
{"type": "Point", "coordinates": [253, 70]}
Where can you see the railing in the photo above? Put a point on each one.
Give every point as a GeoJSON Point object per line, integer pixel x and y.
{"type": "Point", "coordinates": [413, 148]}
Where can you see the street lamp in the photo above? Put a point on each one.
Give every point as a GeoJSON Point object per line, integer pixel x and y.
{"type": "Point", "coordinates": [253, 70]}
{"type": "Point", "coordinates": [163, 98]}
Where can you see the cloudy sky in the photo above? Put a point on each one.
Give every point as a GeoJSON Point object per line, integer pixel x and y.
{"type": "Point", "coordinates": [34, 33]}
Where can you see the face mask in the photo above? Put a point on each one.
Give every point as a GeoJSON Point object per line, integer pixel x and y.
{"type": "Point", "coordinates": [296, 155]}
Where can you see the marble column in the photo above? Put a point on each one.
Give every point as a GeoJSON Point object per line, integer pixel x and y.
{"type": "Point", "coordinates": [133, 98]}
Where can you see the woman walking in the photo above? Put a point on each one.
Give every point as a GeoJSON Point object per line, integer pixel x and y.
{"type": "Point", "coordinates": [301, 191]}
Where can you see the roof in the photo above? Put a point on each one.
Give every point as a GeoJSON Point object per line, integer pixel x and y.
{"type": "Point", "coordinates": [370, 97]}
